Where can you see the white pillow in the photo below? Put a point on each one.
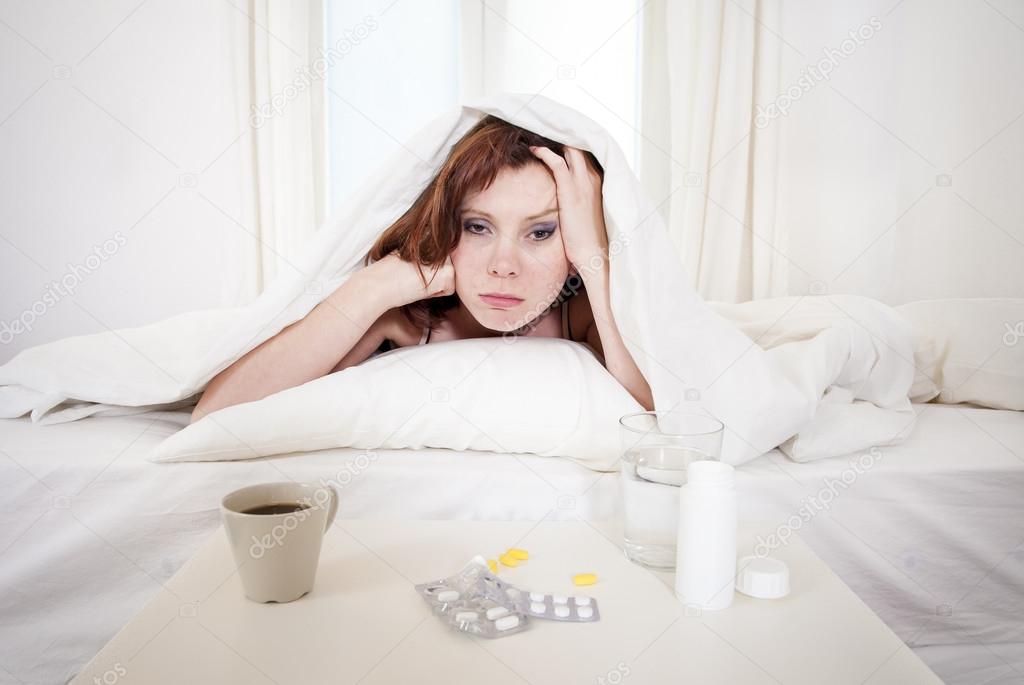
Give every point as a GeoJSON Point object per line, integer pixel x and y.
{"type": "Point", "coordinates": [968, 350]}
{"type": "Point", "coordinates": [543, 396]}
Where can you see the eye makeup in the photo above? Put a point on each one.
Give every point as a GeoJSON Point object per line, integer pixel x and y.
{"type": "Point", "coordinates": [540, 232]}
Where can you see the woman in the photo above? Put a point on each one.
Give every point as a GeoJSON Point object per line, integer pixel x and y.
{"type": "Point", "coordinates": [512, 226]}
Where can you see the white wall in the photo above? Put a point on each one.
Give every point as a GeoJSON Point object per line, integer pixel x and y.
{"type": "Point", "coordinates": [119, 126]}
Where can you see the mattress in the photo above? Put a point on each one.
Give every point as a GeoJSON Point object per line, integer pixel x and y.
{"type": "Point", "coordinates": [929, 533]}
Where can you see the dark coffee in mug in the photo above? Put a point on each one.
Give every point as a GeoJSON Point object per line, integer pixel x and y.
{"type": "Point", "coordinates": [276, 508]}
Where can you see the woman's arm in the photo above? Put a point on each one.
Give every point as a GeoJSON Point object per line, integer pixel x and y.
{"type": "Point", "coordinates": [604, 335]}
{"type": "Point", "coordinates": [307, 349]}
{"type": "Point", "coordinates": [387, 327]}
{"type": "Point", "coordinates": [585, 238]}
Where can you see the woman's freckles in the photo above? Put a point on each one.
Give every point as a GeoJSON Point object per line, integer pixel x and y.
{"type": "Point", "coordinates": [509, 244]}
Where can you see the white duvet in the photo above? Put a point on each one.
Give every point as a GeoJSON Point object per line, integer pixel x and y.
{"type": "Point", "coordinates": [820, 376]}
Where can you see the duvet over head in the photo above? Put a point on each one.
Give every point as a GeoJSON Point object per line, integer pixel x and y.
{"type": "Point", "coordinates": [834, 389]}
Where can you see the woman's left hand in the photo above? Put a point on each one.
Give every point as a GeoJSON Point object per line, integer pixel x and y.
{"type": "Point", "coordinates": [580, 207]}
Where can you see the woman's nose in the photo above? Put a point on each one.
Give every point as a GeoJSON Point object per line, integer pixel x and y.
{"type": "Point", "coordinates": [504, 259]}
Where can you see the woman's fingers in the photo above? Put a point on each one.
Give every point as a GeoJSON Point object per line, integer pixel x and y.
{"type": "Point", "coordinates": [553, 161]}
{"type": "Point", "coordinates": [572, 167]}
{"type": "Point", "coordinates": [575, 157]}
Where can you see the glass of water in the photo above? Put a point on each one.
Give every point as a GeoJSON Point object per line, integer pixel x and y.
{"type": "Point", "coordinates": [657, 448]}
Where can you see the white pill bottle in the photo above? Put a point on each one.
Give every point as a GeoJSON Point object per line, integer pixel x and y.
{"type": "Point", "coordinates": [706, 545]}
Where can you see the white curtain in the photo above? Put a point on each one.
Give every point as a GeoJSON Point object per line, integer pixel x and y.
{"type": "Point", "coordinates": [711, 172]}
{"type": "Point", "coordinates": [281, 98]}
{"type": "Point", "coordinates": [836, 147]}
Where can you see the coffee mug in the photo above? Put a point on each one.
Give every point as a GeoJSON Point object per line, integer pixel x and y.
{"type": "Point", "coordinates": [276, 531]}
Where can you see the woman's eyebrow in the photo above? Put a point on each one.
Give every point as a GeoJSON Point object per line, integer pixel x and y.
{"type": "Point", "coordinates": [470, 210]}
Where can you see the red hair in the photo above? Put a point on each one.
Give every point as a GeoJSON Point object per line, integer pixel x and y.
{"type": "Point", "coordinates": [428, 232]}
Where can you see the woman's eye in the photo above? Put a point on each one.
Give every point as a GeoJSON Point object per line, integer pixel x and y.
{"type": "Point", "coordinates": [536, 235]}
{"type": "Point", "coordinates": [544, 233]}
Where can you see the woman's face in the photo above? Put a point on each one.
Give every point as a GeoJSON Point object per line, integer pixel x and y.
{"type": "Point", "coordinates": [510, 244]}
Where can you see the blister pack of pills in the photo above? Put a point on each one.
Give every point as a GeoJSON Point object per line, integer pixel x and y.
{"type": "Point", "coordinates": [560, 607]}
{"type": "Point", "coordinates": [484, 620]}
{"type": "Point", "coordinates": [476, 601]}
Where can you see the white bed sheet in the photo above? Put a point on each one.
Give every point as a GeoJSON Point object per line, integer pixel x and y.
{"type": "Point", "coordinates": [89, 529]}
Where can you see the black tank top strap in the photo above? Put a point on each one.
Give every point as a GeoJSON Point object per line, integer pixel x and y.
{"type": "Point", "coordinates": [566, 323]}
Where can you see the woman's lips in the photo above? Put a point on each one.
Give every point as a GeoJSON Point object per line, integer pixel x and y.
{"type": "Point", "coordinates": [503, 302]}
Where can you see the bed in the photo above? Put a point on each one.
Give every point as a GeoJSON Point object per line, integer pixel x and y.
{"type": "Point", "coordinates": [930, 534]}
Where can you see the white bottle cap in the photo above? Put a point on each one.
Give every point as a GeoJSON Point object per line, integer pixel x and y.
{"type": "Point", "coordinates": [710, 472]}
{"type": "Point", "coordinates": [762, 577]}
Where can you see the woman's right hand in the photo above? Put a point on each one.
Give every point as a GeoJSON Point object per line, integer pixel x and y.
{"type": "Point", "coordinates": [402, 279]}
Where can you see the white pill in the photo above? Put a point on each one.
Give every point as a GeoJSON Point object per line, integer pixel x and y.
{"type": "Point", "coordinates": [561, 611]}
{"type": "Point", "coordinates": [537, 607]}
{"type": "Point", "coordinates": [507, 622]}
{"type": "Point", "coordinates": [582, 601]}
{"type": "Point", "coordinates": [448, 596]}
{"type": "Point", "coordinates": [559, 599]}
{"type": "Point", "coordinates": [466, 616]}
{"type": "Point", "coordinates": [496, 612]}
{"type": "Point", "coordinates": [585, 611]}
{"type": "Point", "coordinates": [536, 597]}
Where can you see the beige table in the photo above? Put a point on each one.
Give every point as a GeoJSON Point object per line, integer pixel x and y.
{"type": "Point", "coordinates": [363, 622]}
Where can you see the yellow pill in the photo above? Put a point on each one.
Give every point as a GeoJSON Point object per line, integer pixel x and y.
{"type": "Point", "coordinates": [508, 561]}
{"type": "Point", "coordinates": [493, 565]}
{"type": "Point", "coordinates": [584, 579]}
{"type": "Point", "coordinates": [517, 553]}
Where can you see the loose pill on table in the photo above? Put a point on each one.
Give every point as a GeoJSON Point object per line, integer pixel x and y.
{"type": "Point", "coordinates": [508, 561]}
{"type": "Point", "coordinates": [537, 607]}
{"type": "Point", "coordinates": [493, 565]}
{"type": "Point", "coordinates": [517, 553]}
{"type": "Point", "coordinates": [584, 611]}
{"type": "Point", "coordinates": [562, 611]}
{"type": "Point", "coordinates": [507, 622]}
{"type": "Point", "coordinates": [466, 616]}
{"type": "Point", "coordinates": [448, 596]}
{"type": "Point", "coordinates": [497, 612]}
{"type": "Point", "coordinates": [584, 579]}
{"type": "Point", "coordinates": [582, 601]}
